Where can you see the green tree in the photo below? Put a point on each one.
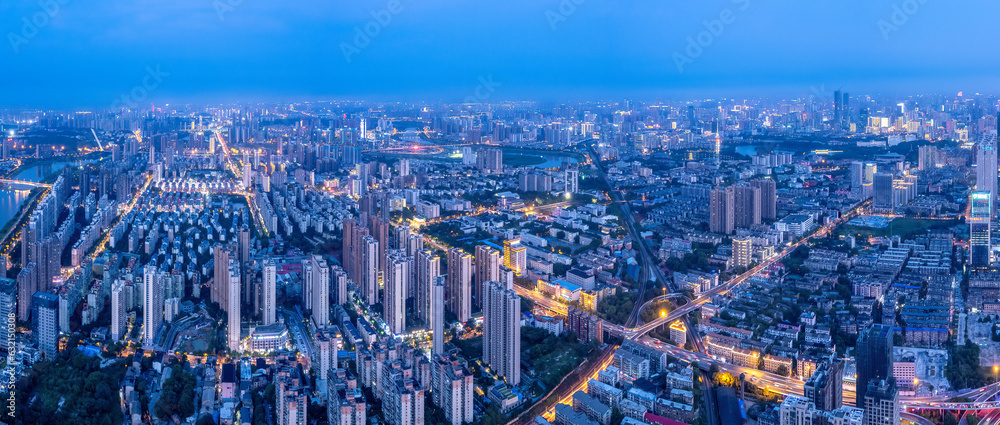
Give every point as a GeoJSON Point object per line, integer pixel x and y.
{"type": "Point", "coordinates": [617, 416]}
{"type": "Point", "coordinates": [493, 416]}
{"type": "Point", "coordinates": [782, 370]}
{"type": "Point", "coordinates": [950, 419]}
{"type": "Point", "coordinates": [177, 395]}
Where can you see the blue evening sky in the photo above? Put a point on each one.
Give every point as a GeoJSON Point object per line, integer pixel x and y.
{"type": "Point", "coordinates": [89, 53]}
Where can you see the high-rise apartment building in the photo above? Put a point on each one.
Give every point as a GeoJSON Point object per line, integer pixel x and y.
{"type": "Point", "coordinates": [326, 350]}
{"type": "Point", "coordinates": [459, 296]}
{"type": "Point", "coordinates": [927, 157]}
{"type": "Point", "coordinates": [490, 161]}
{"type": "Point", "coordinates": [291, 398]}
{"type": "Point", "coordinates": [319, 300]}
{"type": "Point", "coordinates": [825, 387]}
{"type": "Point", "coordinates": [881, 402]}
{"type": "Point", "coordinates": [220, 282]}
{"type": "Point", "coordinates": [768, 198]}
{"type": "Point", "coordinates": [502, 331]}
{"type": "Point", "coordinates": [45, 323]}
{"type": "Point", "coordinates": [722, 211]}
{"type": "Point", "coordinates": [368, 269]}
{"type": "Point", "coordinates": [26, 288]}
{"type": "Point", "coordinates": [118, 309]}
{"type": "Point", "coordinates": [397, 276]}
{"type": "Point", "coordinates": [347, 253]}
{"type": "Point", "coordinates": [338, 282]}
{"type": "Point", "coordinates": [8, 306]}
{"type": "Point", "coordinates": [428, 268]}
{"type": "Point", "coordinates": [346, 402]}
{"type": "Point", "coordinates": [742, 252]}
{"type": "Point", "coordinates": [269, 291]}
{"type": "Point", "coordinates": [487, 269]}
{"type": "Point", "coordinates": [747, 211]}
{"type": "Point", "coordinates": [234, 323]}
{"type": "Point", "coordinates": [437, 315]}
{"type": "Point", "coordinates": [857, 175]}
{"type": "Point", "coordinates": [152, 306]}
{"type": "Point", "coordinates": [404, 404]}
{"type": "Point", "coordinates": [452, 387]}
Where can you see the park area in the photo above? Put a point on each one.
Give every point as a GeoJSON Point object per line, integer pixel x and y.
{"type": "Point", "coordinates": [902, 227]}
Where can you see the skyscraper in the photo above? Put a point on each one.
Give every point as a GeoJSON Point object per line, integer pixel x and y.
{"type": "Point", "coordinates": [348, 249]}
{"type": "Point", "coordinates": [721, 211]}
{"type": "Point", "coordinates": [459, 297]}
{"type": "Point", "coordinates": [873, 354]}
{"type": "Point", "coordinates": [45, 322]}
{"type": "Point", "coordinates": [883, 201]}
{"type": "Point", "coordinates": [986, 169]}
{"type": "Point", "coordinates": [368, 269]}
{"type": "Point", "coordinates": [857, 179]}
{"type": "Point", "coordinates": [320, 293]}
{"type": "Point", "coordinates": [437, 315]}
{"type": "Point", "coordinates": [152, 307]}
{"type": "Point", "coordinates": [502, 331]}
{"type": "Point", "coordinates": [980, 229]}
{"type": "Point", "coordinates": [487, 269]}
{"type": "Point", "coordinates": [244, 244]}
{"type": "Point", "coordinates": [397, 275]}
{"type": "Point", "coordinates": [220, 282]}
{"type": "Point", "coordinates": [269, 289]}
{"type": "Point", "coordinates": [118, 307]}
{"type": "Point", "coordinates": [234, 324]}
{"type": "Point", "coordinates": [837, 110]}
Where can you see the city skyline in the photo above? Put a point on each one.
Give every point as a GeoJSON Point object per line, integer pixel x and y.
{"type": "Point", "coordinates": [556, 212]}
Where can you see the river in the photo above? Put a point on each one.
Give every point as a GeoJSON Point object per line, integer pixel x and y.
{"type": "Point", "coordinates": [12, 199]}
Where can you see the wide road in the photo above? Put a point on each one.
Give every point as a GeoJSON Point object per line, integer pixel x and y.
{"type": "Point", "coordinates": [723, 289]}
{"type": "Point", "coordinates": [649, 268]}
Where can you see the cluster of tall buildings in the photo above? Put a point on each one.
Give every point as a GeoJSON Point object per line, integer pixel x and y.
{"type": "Point", "coordinates": [877, 396]}
{"type": "Point", "coordinates": [983, 203]}
{"type": "Point", "coordinates": [742, 206]}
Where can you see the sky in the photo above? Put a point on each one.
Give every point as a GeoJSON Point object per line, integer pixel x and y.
{"type": "Point", "coordinates": [109, 53]}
